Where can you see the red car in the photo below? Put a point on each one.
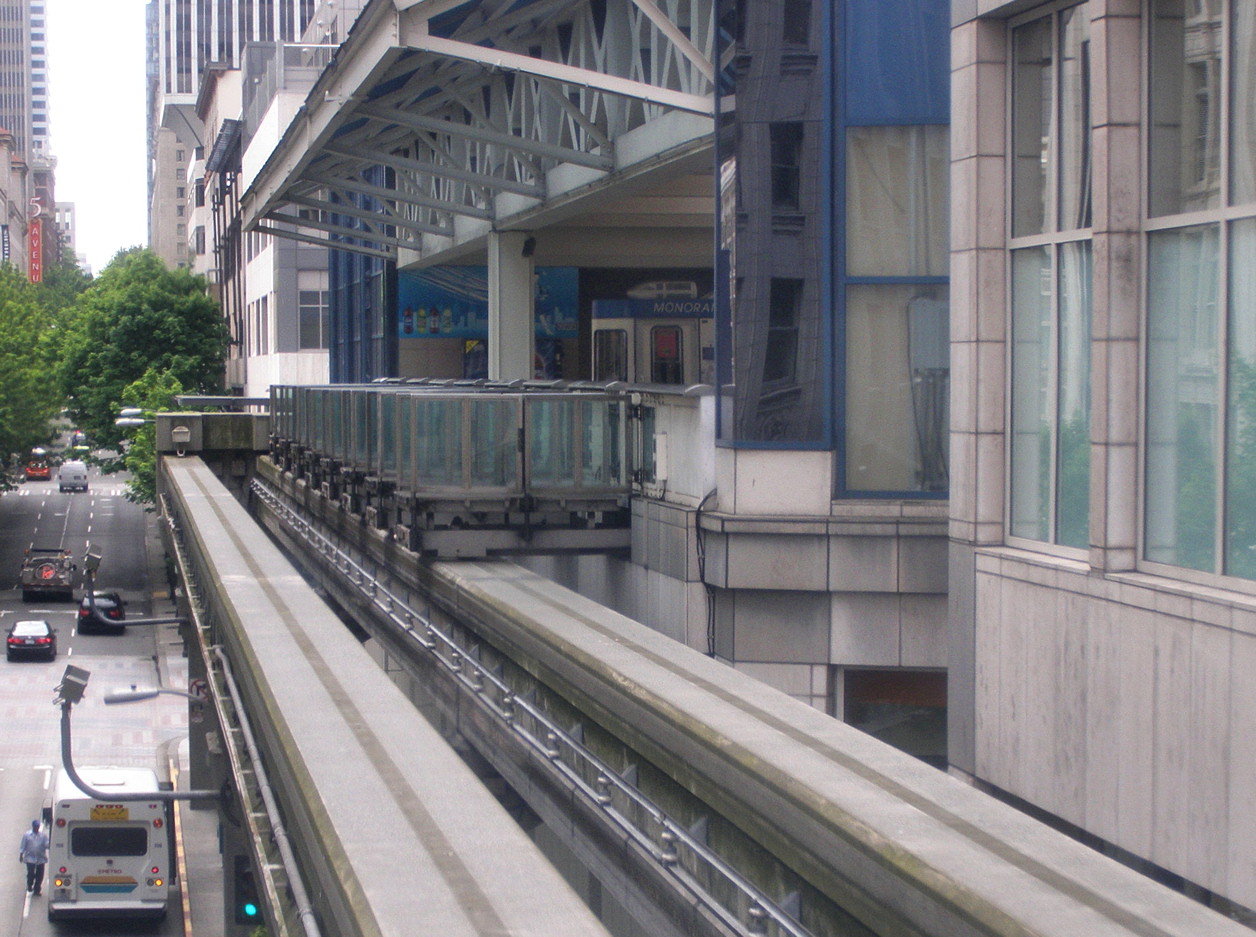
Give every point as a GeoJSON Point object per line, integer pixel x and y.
{"type": "Point", "coordinates": [38, 472]}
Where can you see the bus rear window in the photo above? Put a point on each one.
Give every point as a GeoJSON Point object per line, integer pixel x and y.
{"type": "Point", "coordinates": [109, 841]}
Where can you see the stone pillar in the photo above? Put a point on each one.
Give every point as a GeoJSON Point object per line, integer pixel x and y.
{"type": "Point", "coordinates": [1116, 108]}
{"type": "Point", "coordinates": [511, 333]}
{"type": "Point", "coordinates": [978, 349]}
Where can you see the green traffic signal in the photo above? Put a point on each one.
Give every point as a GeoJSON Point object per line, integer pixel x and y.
{"type": "Point", "coordinates": [244, 892]}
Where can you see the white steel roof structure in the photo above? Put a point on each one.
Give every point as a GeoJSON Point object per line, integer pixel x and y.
{"type": "Point", "coordinates": [454, 119]}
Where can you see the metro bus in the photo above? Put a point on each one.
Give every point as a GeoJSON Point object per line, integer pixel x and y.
{"type": "Point", "coordinates": [109, 858]}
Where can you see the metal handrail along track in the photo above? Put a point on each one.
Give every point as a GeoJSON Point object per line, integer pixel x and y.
{"type": "Point", "coordinates": [661, 838]}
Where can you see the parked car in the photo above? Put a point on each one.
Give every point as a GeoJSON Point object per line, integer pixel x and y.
{"type": "Point", "coordinates": [34, 638]}
{"type": "Point", "coordinates": [110, 613]}
{"type": "Point", "coordinates": [72, 476]}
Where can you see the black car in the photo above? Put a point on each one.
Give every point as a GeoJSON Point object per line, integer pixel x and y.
{"type": "Point", "coordinates": [110, 614]}
{"type": "Point", "coordinates": [31, 639]}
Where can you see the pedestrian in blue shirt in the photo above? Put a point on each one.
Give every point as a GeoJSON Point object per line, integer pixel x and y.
{"type": "Point", "coordinates": [34, 852]}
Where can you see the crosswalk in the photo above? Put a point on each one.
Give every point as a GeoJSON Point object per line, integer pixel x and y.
{"type": "Point", "coordinates": [98, 490]}
{"type": "Point", "coordinates": [114, 734]}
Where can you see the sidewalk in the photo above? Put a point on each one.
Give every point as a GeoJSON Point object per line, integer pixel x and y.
{"type": "Point", "coordinates": [199, 862]}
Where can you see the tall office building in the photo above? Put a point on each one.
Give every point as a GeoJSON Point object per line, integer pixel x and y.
{"type": "Point", "coordinates": [24, 74]}
{"type": "Point", "coordinates": [24, 115]}
{"type": "Point", "coordinates": [186, 42]}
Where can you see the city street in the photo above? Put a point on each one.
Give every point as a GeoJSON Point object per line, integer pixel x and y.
{"type": "Point", "coordinates": [139, 734]}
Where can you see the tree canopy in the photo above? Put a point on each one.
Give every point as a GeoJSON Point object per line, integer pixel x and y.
{"type": "Point", "coordinates": [138, 317]}
{"type": "Point", "coordinates": [30, 335]}
{"type": "Point", "coordinates": [152, 392]}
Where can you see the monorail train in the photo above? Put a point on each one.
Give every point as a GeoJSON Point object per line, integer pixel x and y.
{"type": "Point", "coordinates": [668, 340]}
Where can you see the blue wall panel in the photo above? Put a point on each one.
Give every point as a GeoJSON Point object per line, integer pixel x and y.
{"type": "Point", "coordinates": [897, 61]}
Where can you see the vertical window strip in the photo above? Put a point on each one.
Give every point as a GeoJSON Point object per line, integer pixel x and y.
{"type": "Point", "coordinates": [1051, 271]}
{"type": "Point", "coordinates": [1201, 383]}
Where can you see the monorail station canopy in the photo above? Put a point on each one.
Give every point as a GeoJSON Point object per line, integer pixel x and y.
{"type": "Point", "coordinates": [505, 132]}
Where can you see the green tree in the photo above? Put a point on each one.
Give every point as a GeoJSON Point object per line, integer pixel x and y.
{"type": "Point", "coordinates": [29, 335]}
{"type": "Point", "coordinates": [153, 392]}
{"type": "Point", "coordinates": [138, 316]}
{"type": "Point", "coordinates": [63, 282]}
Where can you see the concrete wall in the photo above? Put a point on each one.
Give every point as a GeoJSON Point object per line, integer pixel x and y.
{"type": "Point", "coordinates": [1123, 705]}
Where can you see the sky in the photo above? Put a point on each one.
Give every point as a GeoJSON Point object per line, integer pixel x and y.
{"type": "Point", "coordinates": [97, 121]}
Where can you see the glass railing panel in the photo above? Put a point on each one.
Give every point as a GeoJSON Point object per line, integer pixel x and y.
{"type": "Point", "coordinates": [602, 444]}
{"type": "Point", "coordinates": [363, 406]}
{"type": "Point", "coordinates": [494, 442]}
{"type": "Point", "coordinates": [388, 435]}
{"type": "Point", "coordinates": [318, 420]}
{"type": "Point", "coordinates": [405, 440]}
{"type": "Point", "coordinates": [438, 442]}
{"type": "Point", "coordinates": [336, 417]}
{"type": "Point", "coordinates": [551, 442]}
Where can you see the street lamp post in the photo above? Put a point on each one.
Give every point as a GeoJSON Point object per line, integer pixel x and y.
{"type": "Point", "coordinates": [91, 563]}
{"type": "Point", "coordinates": [70, 691]}
{"type": "Point", "coordinates": [135, 695]}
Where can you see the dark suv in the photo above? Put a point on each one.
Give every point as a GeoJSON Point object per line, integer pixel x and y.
{"type": "Point", "coordinates": [110, 614]}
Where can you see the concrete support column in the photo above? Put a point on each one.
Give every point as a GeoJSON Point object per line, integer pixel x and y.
{"type": "Point", "coordinates": [511, 333]}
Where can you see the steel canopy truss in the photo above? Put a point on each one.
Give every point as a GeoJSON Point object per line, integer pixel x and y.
{"type": "Point", "coordinates": [434, 112]}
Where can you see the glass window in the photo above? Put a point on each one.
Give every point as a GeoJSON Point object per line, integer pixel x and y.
{"type": "Point", "coordinates": [1240, 493]}
{"type": "Point", "coordinates": [796, 22]}
{"type": "Point", "coordinates": [1031, 413]}
{"type": "Point", "coordinates": [1051, 273]}
{"type": "Point", "coordinates": [1074, 119]}
{"type": "Point", "coordinates": [904, 708]}
{"type": "Point", "coordinates": [1072, 401]}
{"type": "Point", "coordinates": [1185, 106]}
{"type": "Point", "coordinates": [1183, 381]}
{"type": "Point", "coordinates": [1200, 470]}
{"type": "Point", "coordinates": [897, 190]}
{"type": "Point", "coordinates": [786, 140]}
{"type": "Point", "coordinates": [1031, 125]}
{"type": "Point", "coordinates": [1243, 88]}
{"type": "Point", "coordinates": [781, 358]}
{"type": "Point", "coordinates": [313, 300]}
{"type": "Point", "coordinates": [667, 363]}
{"type": "Point", "coordinates": [897, 387]}
{"type": "Point", "coordinates": [610, 355]}
{"type": "Point", "coordinates": [105, 840]}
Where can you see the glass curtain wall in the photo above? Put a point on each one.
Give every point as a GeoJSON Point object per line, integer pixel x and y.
{"type": "Point", "coordinates": [1200, 472]}
{"type": "Point", "coordinates": [1051, 264]}
{"type": "Point", "coordinates": [893, 324]}
{"type": "Point", "coordinates": [897, 331]}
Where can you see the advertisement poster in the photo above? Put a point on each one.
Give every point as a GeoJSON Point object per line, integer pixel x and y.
{"type": "Point", "coordinates": [452, 302]}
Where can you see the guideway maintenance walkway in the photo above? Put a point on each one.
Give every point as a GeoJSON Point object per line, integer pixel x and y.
{"type": "Point", "coordinates": [896, 847]}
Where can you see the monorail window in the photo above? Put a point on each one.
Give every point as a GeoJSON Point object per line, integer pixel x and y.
{"type": "Point", "coordinates": [109, 841]}
{"type": "Point", "coordinates": [666, 362]}
{"type": "Point", "coordinates": [610, 355]}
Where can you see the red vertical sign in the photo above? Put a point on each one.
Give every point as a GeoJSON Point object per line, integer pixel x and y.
{"type": "Point", "coordinates": [36, 254]}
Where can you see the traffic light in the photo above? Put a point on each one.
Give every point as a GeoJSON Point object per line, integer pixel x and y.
{"type": "Point", "coordinates": [244, 898]}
